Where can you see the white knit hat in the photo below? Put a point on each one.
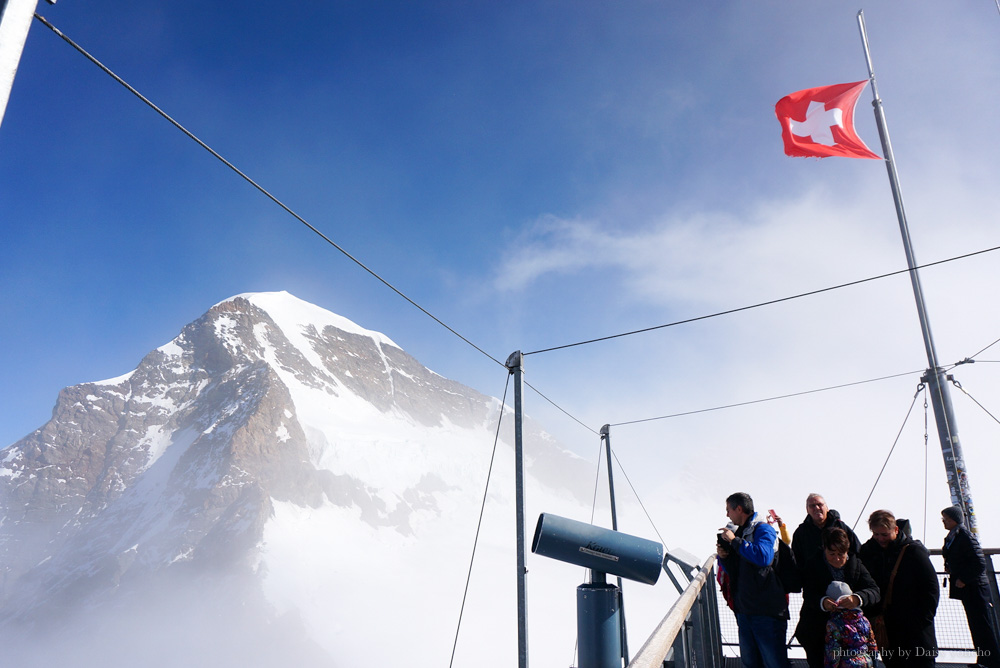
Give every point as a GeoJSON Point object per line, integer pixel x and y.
{"type": "Point", "coordinates": [837, 590]}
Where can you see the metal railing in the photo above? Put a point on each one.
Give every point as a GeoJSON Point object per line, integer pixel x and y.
{"type": "Point", "coordinates": [689, 633]}
{"type": "Point", "coordinates": [699, 626]}
{"type": "Point", "coordinates": [950, 624]}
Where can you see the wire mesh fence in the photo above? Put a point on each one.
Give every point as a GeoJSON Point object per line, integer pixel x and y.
{"type": "Point", "coordinates": [950, 625]}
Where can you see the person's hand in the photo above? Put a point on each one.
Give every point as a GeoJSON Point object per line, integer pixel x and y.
{"type": "Point", "coordinates": [721, 551]}
{"type": "Point", "coordinates": [829, 605]}
{"type": "Point", "coordinates": [728, 535]}
{"type": "Point", "coordinates": [852, 601]}
{"type": "Point", "coordinates": [958, 583]}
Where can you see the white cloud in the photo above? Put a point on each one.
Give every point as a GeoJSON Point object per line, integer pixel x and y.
{"type": "Point", "coordinates": [692, 264]}
{"type": "Point", "coordinates": [704, 257]}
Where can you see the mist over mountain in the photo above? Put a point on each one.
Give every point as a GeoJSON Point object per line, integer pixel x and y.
{"type": "Point", "coordinates": [274, 486]}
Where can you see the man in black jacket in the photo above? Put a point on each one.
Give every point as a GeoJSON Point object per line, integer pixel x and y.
{"type": "Point", "coordinates": [966, 566]}
{"type": "Point", "coordinates": [902, 568]}
{"type": "Point", "coordinates": [807, 541]}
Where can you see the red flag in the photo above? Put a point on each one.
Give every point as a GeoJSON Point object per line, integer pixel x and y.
{"type": "Point", "coordinates": [819, 122]}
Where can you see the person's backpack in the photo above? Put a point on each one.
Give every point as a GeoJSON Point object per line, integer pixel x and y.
{"type": "Point", "coordinates": [785, 568]}
{"type": "Point", "coordinates": [783, 564]}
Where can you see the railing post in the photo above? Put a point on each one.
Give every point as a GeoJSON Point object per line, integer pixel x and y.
{"type": "Point", "coordinates": [705, 630]}
{"type": "Point", "coordinates": [991, 575]}
{"type": "Point", "coordinates": [681, 649]}
{"type": "Point", "coordinates": [715, 640]}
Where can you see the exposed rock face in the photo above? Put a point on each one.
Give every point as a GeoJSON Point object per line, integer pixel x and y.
{"type": "Point", "coordinates": [183, 456]}
{"type": "Point", "coordinates": [173, 470]}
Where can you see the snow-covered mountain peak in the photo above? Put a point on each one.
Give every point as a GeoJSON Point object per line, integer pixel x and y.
{"type": "Point", "coordinates": [271, 443]}
{"type": "Point", "coordinates": [294, 315]}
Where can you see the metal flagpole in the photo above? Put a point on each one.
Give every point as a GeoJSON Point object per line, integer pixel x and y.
{"type": "Point", "coordinates": [15, 19]}
{"type": "Point", "coordinates": [606, 437]}
{"type": "Point", "coordinates": [954, 462]}
{"type": "Point", "coordinates": [515, 365]}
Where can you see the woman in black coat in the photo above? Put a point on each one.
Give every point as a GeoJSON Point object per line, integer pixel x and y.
{"type": "Point", "coordinates": [833, 564]}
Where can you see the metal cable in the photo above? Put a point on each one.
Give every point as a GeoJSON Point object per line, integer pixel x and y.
{"type": "Point", "coordinates": [482, 509]}
{"type": "Point", "coordinates": [597, 480]}
{"type": "Point", "coordinates": [413, 303]}
{"type": "Point", "coordinates": [959, 386]}
{"type": "Point", "coordinates": [260, 188]}
{"type": "Point", "coordinates": [912, 403]}
{"type": "Point", "coordinates": [760, 304]}
{"type": "Point", "coordinates": [760, 401]}
{"type": "Point", "coordinates": [637, 498]}
{"type": "Point", "coordinates": [389, 285]}
{"type": "Point", "coordinates": [926, 458]}
{"type": "Point", "coordinates": [973, 357]}
{"type": "Point", "coordinates": [560, 408]}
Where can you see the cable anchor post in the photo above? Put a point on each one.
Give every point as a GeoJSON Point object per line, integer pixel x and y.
{"type": "Point", "coordinates": [623, 632]}
{"type": "Point", "coordinates": [515, 365]}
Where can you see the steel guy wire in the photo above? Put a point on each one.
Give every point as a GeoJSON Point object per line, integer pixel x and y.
{"type": "Point", "coordinates": [760, 401]}
{"type": "Point", "coordinates": [973, 357]}
{"type": "Point", "coordinates": [403, 295]}
{"type": "Point", "coordinates": [959, 386]}
{"type": "Point", "coordinates": [927, 437]}
{"type": "Point", "coordinates": [760, 304]}
{"type": "Point", "coordinates": [560, 408]}
{"type": "Point", "coordinates": [916, 394]}
{"type": "Point", "coordinates": [479, 524]}
{"type": "Point", "coordinates": [637, 497]}
{"type": "Point", "coordinates": [260, 188]}
{"type": "Point", "coordinates": [423, 310]}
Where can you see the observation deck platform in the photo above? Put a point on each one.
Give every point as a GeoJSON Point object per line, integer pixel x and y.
{"type": "Point", "coordinates": [700, 629]}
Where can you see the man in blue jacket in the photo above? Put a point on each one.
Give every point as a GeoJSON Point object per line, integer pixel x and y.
{"type": "Point", "coordinates": [747, 554]}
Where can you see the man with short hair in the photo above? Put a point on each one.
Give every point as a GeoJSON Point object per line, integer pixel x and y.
{"type": "Point", "coordinates": [747, 555]}
{"type": "Point", "coordinates": [966, 567]}
{"type": "Point", "coordinates": [902, 568]}
{"type": "Point", "coordinates": [807, 540]}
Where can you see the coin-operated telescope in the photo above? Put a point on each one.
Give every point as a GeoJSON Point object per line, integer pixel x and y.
{"type": "Point", "coordinates": [598, 604]}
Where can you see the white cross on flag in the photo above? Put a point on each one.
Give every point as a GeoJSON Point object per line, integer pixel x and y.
{"type": "Point", "coordinates": [819, 122]}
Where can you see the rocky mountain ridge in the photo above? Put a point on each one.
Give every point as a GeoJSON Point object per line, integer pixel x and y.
{"type": "Point", "coordinates": [173, 471]}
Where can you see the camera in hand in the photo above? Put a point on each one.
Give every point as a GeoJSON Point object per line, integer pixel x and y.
{"type": "Point", "coordinates": [722, 542]}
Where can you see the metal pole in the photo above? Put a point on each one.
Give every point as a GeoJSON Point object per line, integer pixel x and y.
{"type": "Point", "coordinates": [606, 437]}
{"type": "Point", "coordinates": [991, 576]}
{"type": "Point", "coordinates": [515, 365]}
{"type": "Point", "coordinates": [15, 19]}
{"type": "Point", "coordinates": [951, 449]}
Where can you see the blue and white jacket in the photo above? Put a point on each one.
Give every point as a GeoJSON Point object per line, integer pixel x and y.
{"type": "Point", "coordinates": [755, 585]}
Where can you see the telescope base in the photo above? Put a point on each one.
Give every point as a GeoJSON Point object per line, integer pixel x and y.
{"type": "Point", "coordinates": [598, 626]}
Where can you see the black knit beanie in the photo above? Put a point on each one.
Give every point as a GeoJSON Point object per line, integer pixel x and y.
{"type": "Point", "coordinates": [954, 513]}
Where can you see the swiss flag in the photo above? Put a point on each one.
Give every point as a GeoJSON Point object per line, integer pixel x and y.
{"type": "Point", "coordinates": [819, 122]}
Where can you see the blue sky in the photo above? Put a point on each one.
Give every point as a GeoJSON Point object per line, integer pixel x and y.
{"type": "Point", "coordinates": [534, 174]}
